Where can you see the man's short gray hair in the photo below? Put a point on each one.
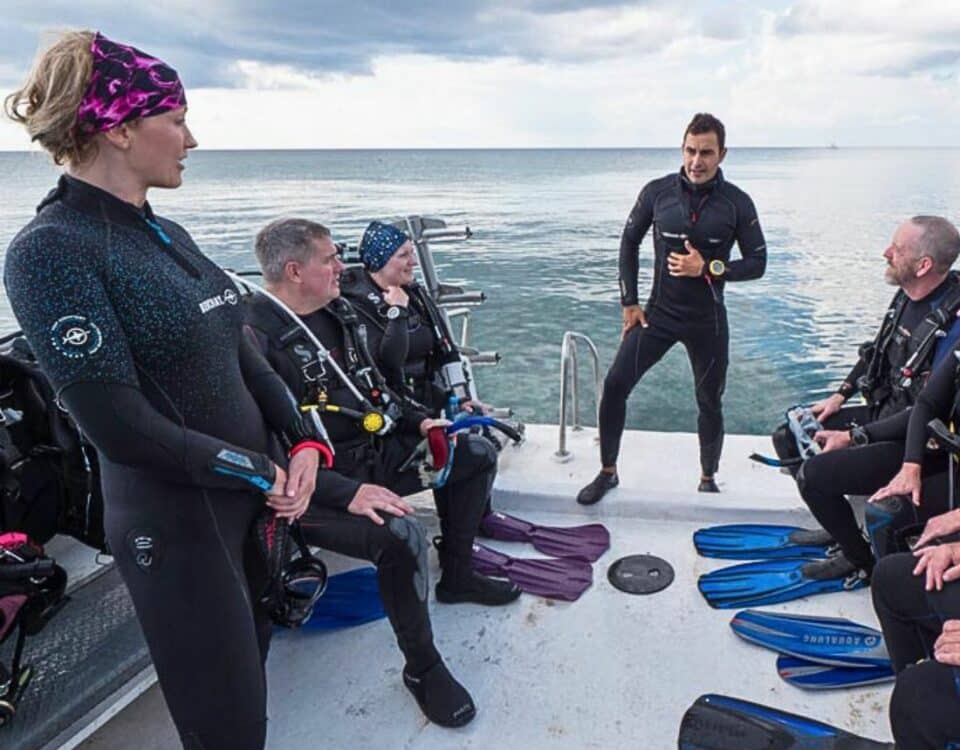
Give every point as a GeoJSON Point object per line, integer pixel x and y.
{"type": "Point", "coordinates": [284, 240]}
{"type": "Point", "coordinates": [940, 241]}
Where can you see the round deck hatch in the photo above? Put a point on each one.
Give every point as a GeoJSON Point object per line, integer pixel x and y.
{"type": "Point", "coordinates": [640, 574]}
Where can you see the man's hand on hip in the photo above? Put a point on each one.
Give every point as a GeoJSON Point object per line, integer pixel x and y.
{"type": "Point", "coordinates": [633, 316]}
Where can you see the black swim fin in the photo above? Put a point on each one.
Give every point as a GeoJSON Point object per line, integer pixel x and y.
{"type": "Point", "coordinates": [718, 722]}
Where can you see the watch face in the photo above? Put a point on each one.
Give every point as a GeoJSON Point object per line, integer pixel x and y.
{"type": "Point", "coordinates": [393, 313]}
{"type": "Point", "coordinates": [717, 267]}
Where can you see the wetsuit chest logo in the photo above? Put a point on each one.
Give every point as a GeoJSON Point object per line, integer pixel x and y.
{"type": "Point", "coordinates": [227, 297]}
{"type": "Point", "coordinates": [311, 367]}
{"type": "Point", "coordinates": [76, 336]}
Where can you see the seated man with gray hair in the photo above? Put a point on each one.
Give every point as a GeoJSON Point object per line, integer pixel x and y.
{"type": "Point", "coordinates": [863, 446]}
{"type": "Point", "coordinates": [358, 508]}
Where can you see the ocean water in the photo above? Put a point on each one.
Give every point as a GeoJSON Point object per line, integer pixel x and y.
{"type": "Point", "coordinates": [546, 229]}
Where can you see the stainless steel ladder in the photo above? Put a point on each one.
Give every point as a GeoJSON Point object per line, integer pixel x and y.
{"type": "Point", "coordinates": [569, 378]}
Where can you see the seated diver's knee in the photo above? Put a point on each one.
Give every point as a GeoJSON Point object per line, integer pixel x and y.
{"type": "Point", "coordinates": [885, 520]}
{"type": "Point", "coordinates": [409, 541]}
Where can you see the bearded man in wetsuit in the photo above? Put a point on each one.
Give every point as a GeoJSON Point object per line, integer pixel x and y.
{"type": "Point", "coordinates": [696, 217]}
{"type": "Point", "coordinates": [864, 445]}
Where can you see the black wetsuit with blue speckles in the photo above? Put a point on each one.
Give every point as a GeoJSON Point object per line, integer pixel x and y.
{"type": "Point", "coordinates": [142, 338]}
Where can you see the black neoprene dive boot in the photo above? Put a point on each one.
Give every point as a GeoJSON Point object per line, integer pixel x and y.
{"type": "Point", "coordinates": [836, 566]}
{"type": "Point", "coordinates": [594, 491]}
{"type": "Point", "coordinates": [460, 583]}
{"type": "Point", "coordinates": [442, 699]}
{"type": "Point", "coordinates": [707, 485]}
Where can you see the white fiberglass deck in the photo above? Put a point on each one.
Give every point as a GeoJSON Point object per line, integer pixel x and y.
{"type": "Point", "coordinates": [609, 671]}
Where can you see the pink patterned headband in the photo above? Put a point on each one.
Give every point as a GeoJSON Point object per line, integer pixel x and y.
{"type": "Point", "coordinates": [126, 84]}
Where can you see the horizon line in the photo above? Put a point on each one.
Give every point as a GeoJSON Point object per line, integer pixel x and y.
{"type": "Point", "coordinates": [829, 147]}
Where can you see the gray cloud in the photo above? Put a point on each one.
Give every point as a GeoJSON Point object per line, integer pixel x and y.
{"type": "Point", "coordinates": [938, 63]}
{"type": "Point", "coordinates": [204, 40]}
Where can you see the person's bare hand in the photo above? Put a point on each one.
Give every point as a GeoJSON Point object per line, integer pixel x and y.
{"type": "Point", "coordinates": [302, 478]}
{"type": "Point", "coordinates": [939, 526]}
{"type": "Point", "coordinates": [690, 265]}
{"type": "Point", "coordinates": [396, 296]}
{"type": "Point", "coordinates": [279, 481]}
{"type": "Point", "coordinates": [827, 407]}
{"type": "Point", "coordinates": [633, 316]}
{"type": "Point", "coordinates": [831, 440]}
{"type": "Point", "coordinates": [939, 564]}
{"type": "Point", "coordinates": [475, 406]}
{"type": "Point", "coordinates": [428, 424]}
{"type": "Point", "coordinates": [371, 498]}
{"type": "Point", "coordinates": [283, 505]}
{"type": "Point", "coordinates": [906, 482]}
{"type": "Point", "coordinates": [946, 650]}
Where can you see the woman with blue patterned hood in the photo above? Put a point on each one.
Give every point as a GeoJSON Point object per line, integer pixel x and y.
{"type": "Point", "coordinates": [380, 291]}
{"type": "Point", "coordinates": [406, 334]}
{"type": "Point", "coordinates": [142, 338]}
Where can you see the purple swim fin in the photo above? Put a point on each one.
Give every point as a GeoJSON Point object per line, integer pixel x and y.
{"type": "Point", "coordinates": [586, 542]}
{"type": "Point", "coordinates": [564, 579]}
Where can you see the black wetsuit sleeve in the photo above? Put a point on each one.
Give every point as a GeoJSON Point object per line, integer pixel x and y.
{"type": "Point", "coordinates": [126, 429]}
{"type": "Point", "coordinates": [391, 354]}
{"type": "Point", "coordinates": [753, 247]}
{"type": "Point", "coordinates": [410, 420]}
{"type": "Point", "coordinates": [849, 384]}
{"type": "Point", "coordinates": [935, 400]}
{"type": "Point", "coordinates": [638, 222]}
{"type": "Point", "coordinates": [893, 427]}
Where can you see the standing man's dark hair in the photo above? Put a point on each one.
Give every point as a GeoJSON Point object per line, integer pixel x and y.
{"type": "Point", "coordinates": [697, 216]}
{"type": "Point", "coordinates": [703, 123]}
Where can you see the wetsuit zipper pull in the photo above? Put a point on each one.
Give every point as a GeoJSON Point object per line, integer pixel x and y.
{"type": "Point", "coordinates": [158, 230]}
{"type": "Point", "coordinates": [167, 243]}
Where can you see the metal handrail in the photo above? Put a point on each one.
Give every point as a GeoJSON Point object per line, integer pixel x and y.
{"type": "Point", "coordinates": [568, 356]}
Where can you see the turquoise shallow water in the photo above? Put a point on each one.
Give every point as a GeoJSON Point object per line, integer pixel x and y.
{"type": "Point", "coordinates": [546, 229]}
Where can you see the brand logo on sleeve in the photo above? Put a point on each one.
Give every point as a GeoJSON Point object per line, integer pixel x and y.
{"type": "Point", "coordinates": [143, 549]}
{"type": "Point", "coordinates": [76, 336]}
{"type": "Point", "coordinates": [228, 297]}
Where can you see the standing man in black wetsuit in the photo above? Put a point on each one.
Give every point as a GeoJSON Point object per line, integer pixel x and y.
{"type": "Point", "coordinates": [696, 217]}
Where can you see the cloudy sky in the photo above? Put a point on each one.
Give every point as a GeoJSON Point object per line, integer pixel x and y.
{"type": "Point", "coordinates": [528, 73]}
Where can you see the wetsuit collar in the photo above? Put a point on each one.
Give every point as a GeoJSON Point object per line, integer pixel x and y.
{"type": "Point", "coordinates": [89, 199]}
{"type": "Point", "coordinates": [705, 187]}
{"type": "Point", "coordinates": [373, 282]}
{"type": "Point", "coordinates": [941, 289]}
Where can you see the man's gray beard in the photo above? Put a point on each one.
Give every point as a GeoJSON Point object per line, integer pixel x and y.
{"type": "Point", "coordinates": [891, 277]}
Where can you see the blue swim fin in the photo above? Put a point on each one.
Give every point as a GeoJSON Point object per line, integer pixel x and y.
{"type": "Point", "coordinates": [755, 584]}
{"type": "Point", "coordinates": [351, 598]}
{"type": "Point", "coordinates": [825, 640]}
{"type": "Point", "coordinates": [718, 722]}
{"type": "Point", "coordinates": [812, 676]}
{"type": "Point", "coordinates": [755, 541]}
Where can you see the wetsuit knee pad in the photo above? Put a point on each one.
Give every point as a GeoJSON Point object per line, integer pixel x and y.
{"type": "Point", "coordinates": [812, 475]}
{"type": "Point", "coordinates": [411, 539]}
{"type": "Point", "coordinates": [889, 522]}
{"type": "Point", "coordinates": [477, 454]}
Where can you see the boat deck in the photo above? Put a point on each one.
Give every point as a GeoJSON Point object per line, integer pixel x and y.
{"type": "Point", "coordinates": [608, 671]}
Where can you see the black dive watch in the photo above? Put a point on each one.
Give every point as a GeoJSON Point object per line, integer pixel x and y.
{"type": "Point", "coordinates": [859, 436]}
